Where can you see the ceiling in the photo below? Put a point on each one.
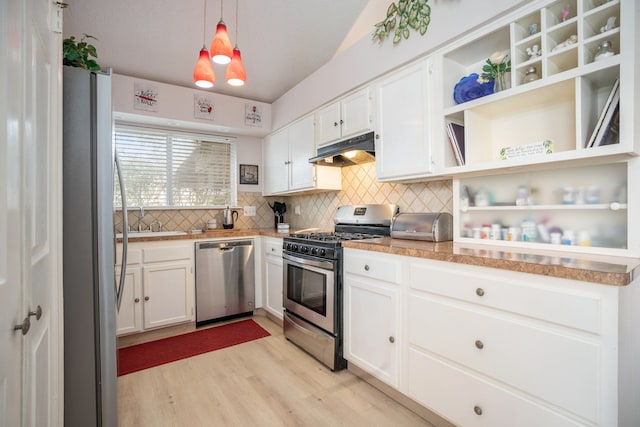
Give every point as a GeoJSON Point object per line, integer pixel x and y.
{"type": "Point", "coordinates": [282, 41]}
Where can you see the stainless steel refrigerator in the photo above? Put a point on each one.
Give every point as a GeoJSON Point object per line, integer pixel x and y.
{"type": "Point", "coordinates": [90, 289]}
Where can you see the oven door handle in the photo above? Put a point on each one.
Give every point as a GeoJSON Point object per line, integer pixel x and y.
{"type": "Point", "coordinates": [326, 265]}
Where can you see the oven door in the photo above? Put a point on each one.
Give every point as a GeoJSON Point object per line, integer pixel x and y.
{"type": "Point", "coordinates": [309, 290]}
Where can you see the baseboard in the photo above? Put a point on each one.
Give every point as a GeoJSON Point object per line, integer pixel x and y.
{"type": "Point", "coordinates": [405, 401]}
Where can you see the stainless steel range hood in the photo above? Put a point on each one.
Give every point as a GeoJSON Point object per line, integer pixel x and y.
{"type": "Point", "coordinates": [352, 151]}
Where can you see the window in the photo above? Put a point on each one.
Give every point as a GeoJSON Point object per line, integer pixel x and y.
{"type": "Point", "coordinates": [163, 168]}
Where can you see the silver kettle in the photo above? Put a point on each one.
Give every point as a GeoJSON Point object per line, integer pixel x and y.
{"type": "Point", "coordinates": [229, 218]}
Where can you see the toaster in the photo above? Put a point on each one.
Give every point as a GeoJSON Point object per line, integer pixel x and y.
{"type": "Point", "coordinates": [429, 226]}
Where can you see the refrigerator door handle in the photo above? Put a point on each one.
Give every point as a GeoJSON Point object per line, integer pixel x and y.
{"type": "Point", "coordinates": [125, 234]}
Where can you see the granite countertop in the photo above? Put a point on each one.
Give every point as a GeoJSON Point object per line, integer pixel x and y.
{"type": "Point", "coordinates": [214, 234]}
{"type": "Point", "coordinates": [606, 270]}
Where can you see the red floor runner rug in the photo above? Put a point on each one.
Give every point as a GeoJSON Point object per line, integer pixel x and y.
{"type": "Point", "coordinates": [154, 353]}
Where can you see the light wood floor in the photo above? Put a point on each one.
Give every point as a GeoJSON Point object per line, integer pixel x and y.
{"type": "Point", "coordinates": [266, 382]}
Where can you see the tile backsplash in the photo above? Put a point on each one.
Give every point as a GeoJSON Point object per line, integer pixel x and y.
{"type": "Point", "coordinates": [359, 187]}
{"type": "Point", "coordinates": [316, 210]}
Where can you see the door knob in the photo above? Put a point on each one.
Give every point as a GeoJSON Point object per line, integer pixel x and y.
{"type": "Point", "coordinates": [366, 267]}
{"type": "Point", "coordinates": [24, 327]}
{"type": "Point", "coordinates": [146, 298]}
{"type": "Point", "coordinates": [37, 313]}
{"type": "Point", "coordinates": [479, 344]}
{"type": "Point", "coordinates": [392, 339]}
{"type": "Point", "coordinates": [136, 300]}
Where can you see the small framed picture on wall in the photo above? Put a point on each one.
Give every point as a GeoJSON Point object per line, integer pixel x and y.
{"type": "Point", "coordinates": [249, 174]}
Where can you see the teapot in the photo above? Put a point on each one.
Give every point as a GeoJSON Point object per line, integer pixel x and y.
{"type": "Point", "coordinates": [229, 218]}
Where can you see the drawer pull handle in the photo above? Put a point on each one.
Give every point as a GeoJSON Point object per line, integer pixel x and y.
{"type": "Point", "coordinates": [477, 410]}
{"type": "Point", "coordinates": [480, 292]}
{"type": "Point", "coordinates": [479, 344]}
{"type": "Point", "coordinates": [366, 267]}
{"type": "Point", "coordinates": [392, 340]}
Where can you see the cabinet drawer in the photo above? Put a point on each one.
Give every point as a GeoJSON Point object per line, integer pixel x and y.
{"type": "Point", "coordinates": [134, 256]}
{"type": "Point", "coordinates": [561, 369]}
{"type": "Point", "coordinates": [367, 264]}
{"type": "Point", "coordinates": [566, 302]}
{"type": "Point", "coordinates": [167, 253]}
{"type": "Point", "coordinates": [273, 247]}
{"type": "Point", "coordinates": [459, 396]}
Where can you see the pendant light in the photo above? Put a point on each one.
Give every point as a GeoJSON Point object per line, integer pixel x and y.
{"type": "Point", "coordinates": [203, 75]}
{"type": "Point", "coordinates": [236, 75]}
{"type": "Point", "coordinates": [221, 51]}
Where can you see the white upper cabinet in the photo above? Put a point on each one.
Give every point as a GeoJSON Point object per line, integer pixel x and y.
{"type": "Point", "coordinates": [350, 116]}
{"type": "Point", "coordinates": [286, 161]}
{"type": "Point", "coordinates": [403, 147]}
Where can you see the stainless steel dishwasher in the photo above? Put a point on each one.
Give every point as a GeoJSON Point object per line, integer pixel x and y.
{"type": "Point", "coordinates": [225, 280]}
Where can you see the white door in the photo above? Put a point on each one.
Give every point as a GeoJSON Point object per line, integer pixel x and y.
{"type": "Point", "coordinates": [30, 196]}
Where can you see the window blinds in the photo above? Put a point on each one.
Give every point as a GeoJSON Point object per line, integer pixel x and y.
{"type": "Point", "coordinates": [166, 169]}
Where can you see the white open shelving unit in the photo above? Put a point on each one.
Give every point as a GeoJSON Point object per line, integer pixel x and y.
{"type": "Point", "coordinates": [563, 106]}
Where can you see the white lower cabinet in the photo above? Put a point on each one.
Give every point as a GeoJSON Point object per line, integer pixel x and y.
{"type": "Point", "coordinates": [487, 347]}
{"type": "Point", "coordinates": [166, 293]}
{"type": "Point", "coordinates": [129, 319]}
{"type": "Point", "coordinates": [159, 286]}
{"type": "Point", "coordinates": [273, 276]}
{"type": "Point", "coordinates": [371, 307]}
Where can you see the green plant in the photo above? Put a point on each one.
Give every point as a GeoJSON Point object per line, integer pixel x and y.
{"type": "Point", "coordinates": [407, 14]}
{"type": "Point", "coordinates": [78, 54]}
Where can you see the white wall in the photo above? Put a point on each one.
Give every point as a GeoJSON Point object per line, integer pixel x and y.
{"type": "Point", "coordinates": [175, 108]}
{"type": "Point", "coordinates": [366, 60]}
{"type": "Point", "coordinates": [249, 152]}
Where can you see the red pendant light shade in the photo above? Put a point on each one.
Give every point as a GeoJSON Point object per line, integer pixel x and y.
{"type": "Point", "coordinates": [221, 50]}
{"type": "Point", "coordinates": [203, 75]}
{"type": "Point", "coordinates": [236, 75]}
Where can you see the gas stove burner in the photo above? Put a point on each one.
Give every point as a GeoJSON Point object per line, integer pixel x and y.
{"type": "Point", "coordinates": [356, 236]}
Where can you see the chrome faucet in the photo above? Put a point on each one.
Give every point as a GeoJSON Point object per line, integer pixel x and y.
{"type": "Point", "coordinates": [158, 223]}
{"type": "Point", "coordinates": [140, 216]}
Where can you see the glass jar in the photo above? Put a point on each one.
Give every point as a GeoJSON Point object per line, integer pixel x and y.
{"type": "Point", "coordinates": [605, 50]}
{"type": "Point", "coordinates": [530, 75]}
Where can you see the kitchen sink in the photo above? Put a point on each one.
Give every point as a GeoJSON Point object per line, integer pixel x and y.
{"type": "Point", "coordinates": [133, 234]}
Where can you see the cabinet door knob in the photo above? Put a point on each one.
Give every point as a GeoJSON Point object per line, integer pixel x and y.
{"type": "Point", "coordinates": [366, 267]}
{"type": "Point", "coordinates": [477, 410]}
{"type": "Point", "coordinates": [392, 339]}
{"type": "Point", "coordinates": [136, 300]}
{"type": "Point", "coordinates": [37, 313]}
{"type": "Point", "coordinates": [146, 298]}
{"type": "Point", "coordinates": [335, 124]}
{"type": "Point", "coordinates": [24, 326]}
{"type": "Point", "coordinates": [479, 292]}
{"type": "Point", "coordinates": [341, 121]}
{"type": "Point", "coordinates": [479, 344]}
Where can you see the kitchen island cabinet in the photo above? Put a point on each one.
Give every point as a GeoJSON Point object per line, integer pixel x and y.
{"type": "Point", "coordinates": [483, 346]}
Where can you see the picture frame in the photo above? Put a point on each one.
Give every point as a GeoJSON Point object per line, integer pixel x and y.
{"type": "Point", "coordinates": [249, 174]}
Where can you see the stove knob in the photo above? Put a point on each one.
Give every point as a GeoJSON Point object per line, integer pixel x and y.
{"type": "Point", "coordinates": [295, 248]}
{"type": "Point", "coordinates": [289, 246]}
{"type": "Point", "coordinates": [304, 249]}
{"type": "Point", "coordinates": [314, 251]}
{"type": "Point", "coordinates": [323, 252]}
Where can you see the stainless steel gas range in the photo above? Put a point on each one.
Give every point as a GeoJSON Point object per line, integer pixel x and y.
{"type": "Point", "coordinates": [313, 280]}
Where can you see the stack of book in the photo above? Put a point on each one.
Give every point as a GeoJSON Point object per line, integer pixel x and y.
{"type": "Point", "coordinates": [456, 138]}
{"type": "Point", "coordinates": [607, 128]}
